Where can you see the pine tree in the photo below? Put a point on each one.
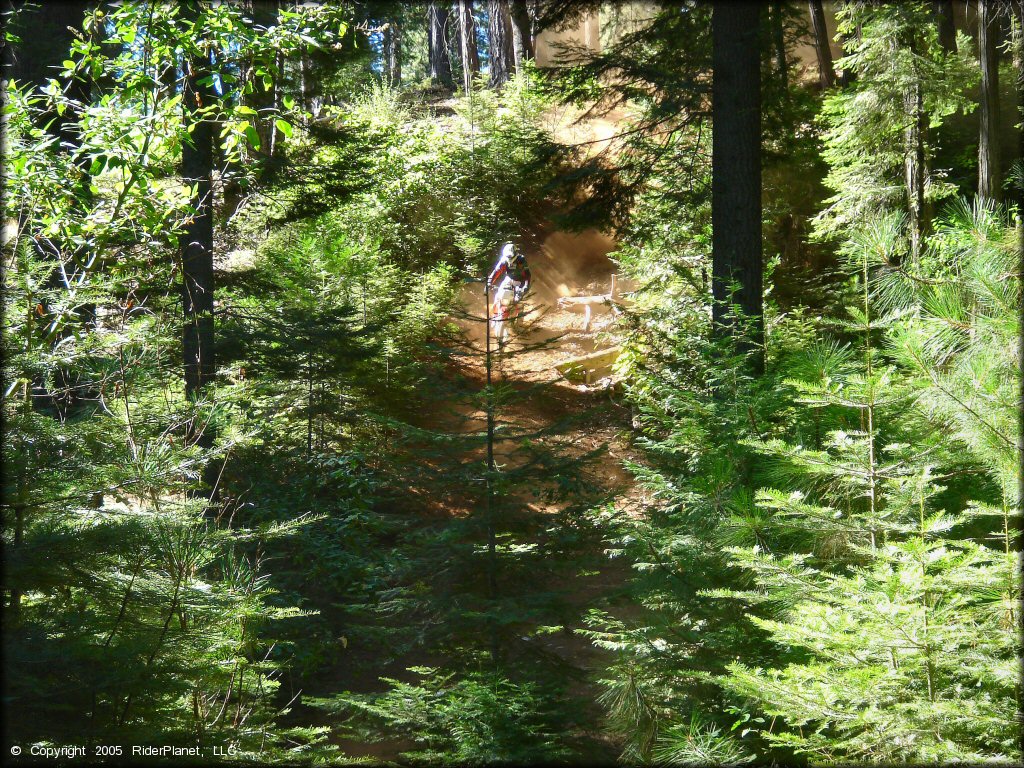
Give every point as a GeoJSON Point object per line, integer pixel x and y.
{"type": "Point", "coordinates": [131, 617]}
{"type": "Point", "coordinates": [878, 130]}
{"type": "Point", "coordinates": [906, 624]}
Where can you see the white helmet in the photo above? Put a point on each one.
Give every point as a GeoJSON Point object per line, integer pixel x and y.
{"type": "Point", "coordinates": [508, 251]}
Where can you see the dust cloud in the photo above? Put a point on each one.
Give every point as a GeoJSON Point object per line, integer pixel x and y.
{"type": "Point", "coordinates": [563, 264]}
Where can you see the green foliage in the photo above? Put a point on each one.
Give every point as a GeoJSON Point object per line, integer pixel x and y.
{"type": "Point", "coordinates": [824, 561]}
{"type": "Point", "coordinates": [481, 718]}
{"type": "Point", "coordinates": [149, 619]}
{"type": "Point", "coordinates": [872, 125]}
{"type": "Point", "coordinates": [903, 600]}
{"type": "Point", "coordinates": [813, 573]}
{"type": "Point", "coordinates": [449, 190]}
{"type": "Point", "coordinates": [136, 612]}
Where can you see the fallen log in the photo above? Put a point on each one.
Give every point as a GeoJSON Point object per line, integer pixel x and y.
{"type": "Point", "coordinates": [566, 301]}
{"type": "Point", "coordinates": [584, 367]}
{"type": "Point", "coordinates": [588, 302]}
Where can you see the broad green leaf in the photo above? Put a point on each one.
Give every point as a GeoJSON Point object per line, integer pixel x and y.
{"type": "Point", "coordinates": [252, 136]}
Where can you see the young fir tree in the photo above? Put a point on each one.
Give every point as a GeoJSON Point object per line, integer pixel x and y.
{"type": "Point", "coordinates": [879, 130]}
{"type": "Point", "coordinates": [130, 615]}
{"type": "Point", "coordinates": [479, 590]}
{"type": "Point", "coordinates": [903, 610]}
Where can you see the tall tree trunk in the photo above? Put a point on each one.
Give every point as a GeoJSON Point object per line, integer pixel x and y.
{"type": "Point", "coordinates": [197, 239]}
{"type": "Point", "coordinates": [1017, 36]}
{"type": "Point", "coordinates": [467, 40]}
{"type": "Point", "coordinates": [736, 177]}
{"type": "Point", "coordinates": [393, 52]}
{"type": "Point", "coordinates": [499, 26]}
{"type": "Point", "coordinates": [305, 82]}
{"type": "Point", "coordinates": [438, 61]}
{"type": "Point", "coordinates": [262, 99]}
{"type": "Point", "coordinates": [989, 176]}
{"type": "Point", "coordinates": [914, 170]}
{"type": "Point", "coordinates": [275, 103]}
{"type": "Point", "coordinates": [6, 75]}
{"type": "Point", "coordinates": [846, 40]}
{"type": "Point", "coordinates": [167, 77]}
{"type": "Point", "coordinates": [46, 39]}
{"type": "Point", "coordinates": [387, 32]}
{"type": "Point", "coordinates": [779, 44]}
{"type": "Point", "coordinates": [231, 170]}
{"type": "Point", "coordinates": [943, 10]}
{"type": "Point", "coordinates": [822, 44]}
{"type": "Point", "coordinates": [522, 34]}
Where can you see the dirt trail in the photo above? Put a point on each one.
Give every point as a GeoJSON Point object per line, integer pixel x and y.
{"type": "Point", "coordinates": [562, 265]}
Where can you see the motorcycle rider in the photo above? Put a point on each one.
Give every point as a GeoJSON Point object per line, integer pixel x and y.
{"type": "Point", "coordinates": [511, 273]}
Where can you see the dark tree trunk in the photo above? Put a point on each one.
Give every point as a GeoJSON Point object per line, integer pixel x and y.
{"type": "Point", "coordinates": [989, 176]}
{"type": "Point", "coordinates": [944, 21]}
{"type": "Point", "coordinates": [845, 42]}
{"type": "Point", "coordinates": [45, 33]}
{"type": "Point", "coordinates": [78, 90]}
{"type": "Point", "coordinates": [6, 75]}
{"type": "Point", "coordinates": [263, 99]}
{"type": "Point", "coordinates": [779, 45]}
{"type": "Point", "coordinates": [438, 61]}
{"type": "Point", "coordinates": [736, 178]}
{"type": "Point", "coordinates": [167, 77]}
{"type": "Point", "coordinates": [822, 44]}
{"type": "Point", "coordinates": [197, 239]}
{"type": "Point", "coordinates": [305, 82]}
{"type": "Point", "coordinates": [499, 28]}
{"type": "Point", "coordinates": [230, 187]}
{"type": "Point", "coordinates": [1018, 62]}
{"type": "Point", "coordinates": [46, 37]}
{"type": "Point", "coordinates": [393, 52]}
{"type": "Point", "coordinates": [275, 104]}
{"type": "Point", "coordinates": [522, 34]}
{"type": "Point", "coordinates": [914, 170]}
{"type": "Point", "coordinates": [467, 40]}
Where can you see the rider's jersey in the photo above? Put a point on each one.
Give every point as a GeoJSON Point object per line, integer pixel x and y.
{"type": "Point", "coordinates": [519, 274]}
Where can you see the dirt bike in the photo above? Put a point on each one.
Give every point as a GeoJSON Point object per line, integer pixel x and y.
{"type": "Point", "coordinates": [505, 315]}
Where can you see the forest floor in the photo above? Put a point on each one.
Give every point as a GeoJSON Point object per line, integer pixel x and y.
{"type": "Point", "coordinates": [587, 419]}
